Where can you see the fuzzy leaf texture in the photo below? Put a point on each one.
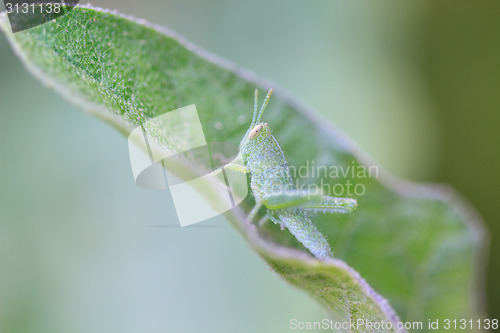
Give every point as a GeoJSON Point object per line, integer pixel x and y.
{"type": "Point", "coordinates": [420, 247]}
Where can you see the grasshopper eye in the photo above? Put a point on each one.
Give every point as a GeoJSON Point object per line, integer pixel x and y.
{"type": "Point", "coordinates": [255, 131]}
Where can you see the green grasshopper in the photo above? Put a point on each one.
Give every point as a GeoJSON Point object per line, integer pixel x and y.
{"type": "Point", "coordinates": [272, 186]}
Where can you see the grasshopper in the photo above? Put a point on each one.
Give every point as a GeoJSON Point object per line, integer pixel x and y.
{"type": "Point", "coordinates": [272, 186]}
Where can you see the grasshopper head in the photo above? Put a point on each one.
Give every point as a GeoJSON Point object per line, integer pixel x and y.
{"type": "Point", "coordinates": [255, 134]}
{"type": "Point", "coordinates": [258, 130]}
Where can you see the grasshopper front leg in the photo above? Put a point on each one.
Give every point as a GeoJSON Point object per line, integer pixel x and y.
{"type": "Point", "coordinates": [230, 166]}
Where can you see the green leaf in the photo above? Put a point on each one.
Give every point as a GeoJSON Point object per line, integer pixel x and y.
{"type": "Point", "coordinates": [421, 247]}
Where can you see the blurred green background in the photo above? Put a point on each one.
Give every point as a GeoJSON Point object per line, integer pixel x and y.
{"type": "Point", "coordinates": [415, 84]}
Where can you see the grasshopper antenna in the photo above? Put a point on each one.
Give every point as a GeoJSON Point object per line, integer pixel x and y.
{"type": "Point", "coordinates": [264, 105]}
{"type": "Point", "coordinates": [255, 101]}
